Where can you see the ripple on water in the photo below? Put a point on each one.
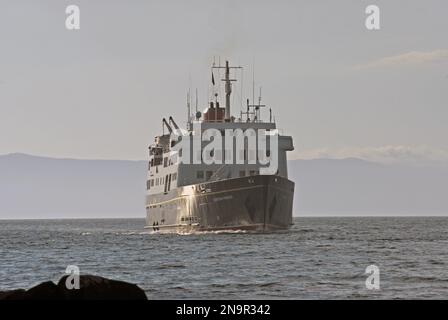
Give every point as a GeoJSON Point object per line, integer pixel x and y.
{"type": "Point", "coordinates": [323, 258]}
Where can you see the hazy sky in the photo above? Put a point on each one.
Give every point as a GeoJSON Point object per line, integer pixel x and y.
{"type": "Point", "coordinates": [337, 88]}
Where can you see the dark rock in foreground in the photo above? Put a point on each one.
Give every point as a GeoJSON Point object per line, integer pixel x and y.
{"type": "Point", "coordinates": [91, 288]}
{"type": "Point", "coordinates": [12, 294]}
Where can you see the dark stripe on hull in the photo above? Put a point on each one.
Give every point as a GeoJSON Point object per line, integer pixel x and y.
{"type": "Point", "coordinates": [260, 203]}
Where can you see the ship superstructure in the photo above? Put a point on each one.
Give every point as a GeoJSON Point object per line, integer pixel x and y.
{"type": "Point", "coordinates": [220, 173]}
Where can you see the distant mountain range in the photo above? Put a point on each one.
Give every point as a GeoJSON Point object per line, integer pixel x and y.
{"type": "Point", "coordinates": [39, 187]}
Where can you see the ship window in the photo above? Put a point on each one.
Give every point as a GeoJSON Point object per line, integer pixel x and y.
{"type": "Point", "coordinates": [208, 175]}
{"type": "Point", "coordinates": [200, 174]}
{"type": "Point", "coordinates": [152, 182]}
{"type": "Point", "coordinates": [253, 172]}
{"type": "Point", "coordinates": [242, 173]}
{"type": "Point", "coordinates": [148, 184]}
{"type": "Point", "coordinates": [157, 160]}
{"type": "Point", "coordinates": [165, 161]}
{"type": "Point", "coordinates": [268, 153]}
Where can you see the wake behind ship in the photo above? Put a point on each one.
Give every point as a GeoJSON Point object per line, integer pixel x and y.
{"type": "Point", "coordinates": [222, 172]}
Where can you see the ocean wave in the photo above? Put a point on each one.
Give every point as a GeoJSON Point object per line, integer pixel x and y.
{"type": "Point", "coordinates": [229, 231]}
{"type": "Point", "coordinates": [171, 266]}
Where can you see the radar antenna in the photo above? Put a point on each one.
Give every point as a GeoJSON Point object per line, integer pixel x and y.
{"type": "Point", "coordinates": [228, 86]}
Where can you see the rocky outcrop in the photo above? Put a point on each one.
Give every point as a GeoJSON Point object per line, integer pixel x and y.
{"type": "Point", "coordinates": [91, 288]}
{"type": "Point", "coordinates": [12, 294]}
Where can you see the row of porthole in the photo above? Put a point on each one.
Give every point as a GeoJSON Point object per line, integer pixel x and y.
{"type": "Point", "coordinates": [159, 181]}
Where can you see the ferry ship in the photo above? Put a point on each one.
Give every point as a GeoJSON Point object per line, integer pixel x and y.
{"type": "Point", "coordinates": [193, 187]}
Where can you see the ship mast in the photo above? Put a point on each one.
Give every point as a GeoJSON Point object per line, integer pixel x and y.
{"type": "Point", "coordinates": [188, 110]}
{"type": "Point", "coordinates": [228, 91]}
{"type": "Point", "coordinates": [228, 87]}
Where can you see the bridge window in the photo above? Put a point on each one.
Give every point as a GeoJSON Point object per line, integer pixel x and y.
{"type": "Point", "coordinates": [157, 160]}
{"type": "Point", "coordinates": [208, 175]}
{"type": "Point", "coordinates": [253, 172]}
{"type": "Point", "coordinates": [148, 184]}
